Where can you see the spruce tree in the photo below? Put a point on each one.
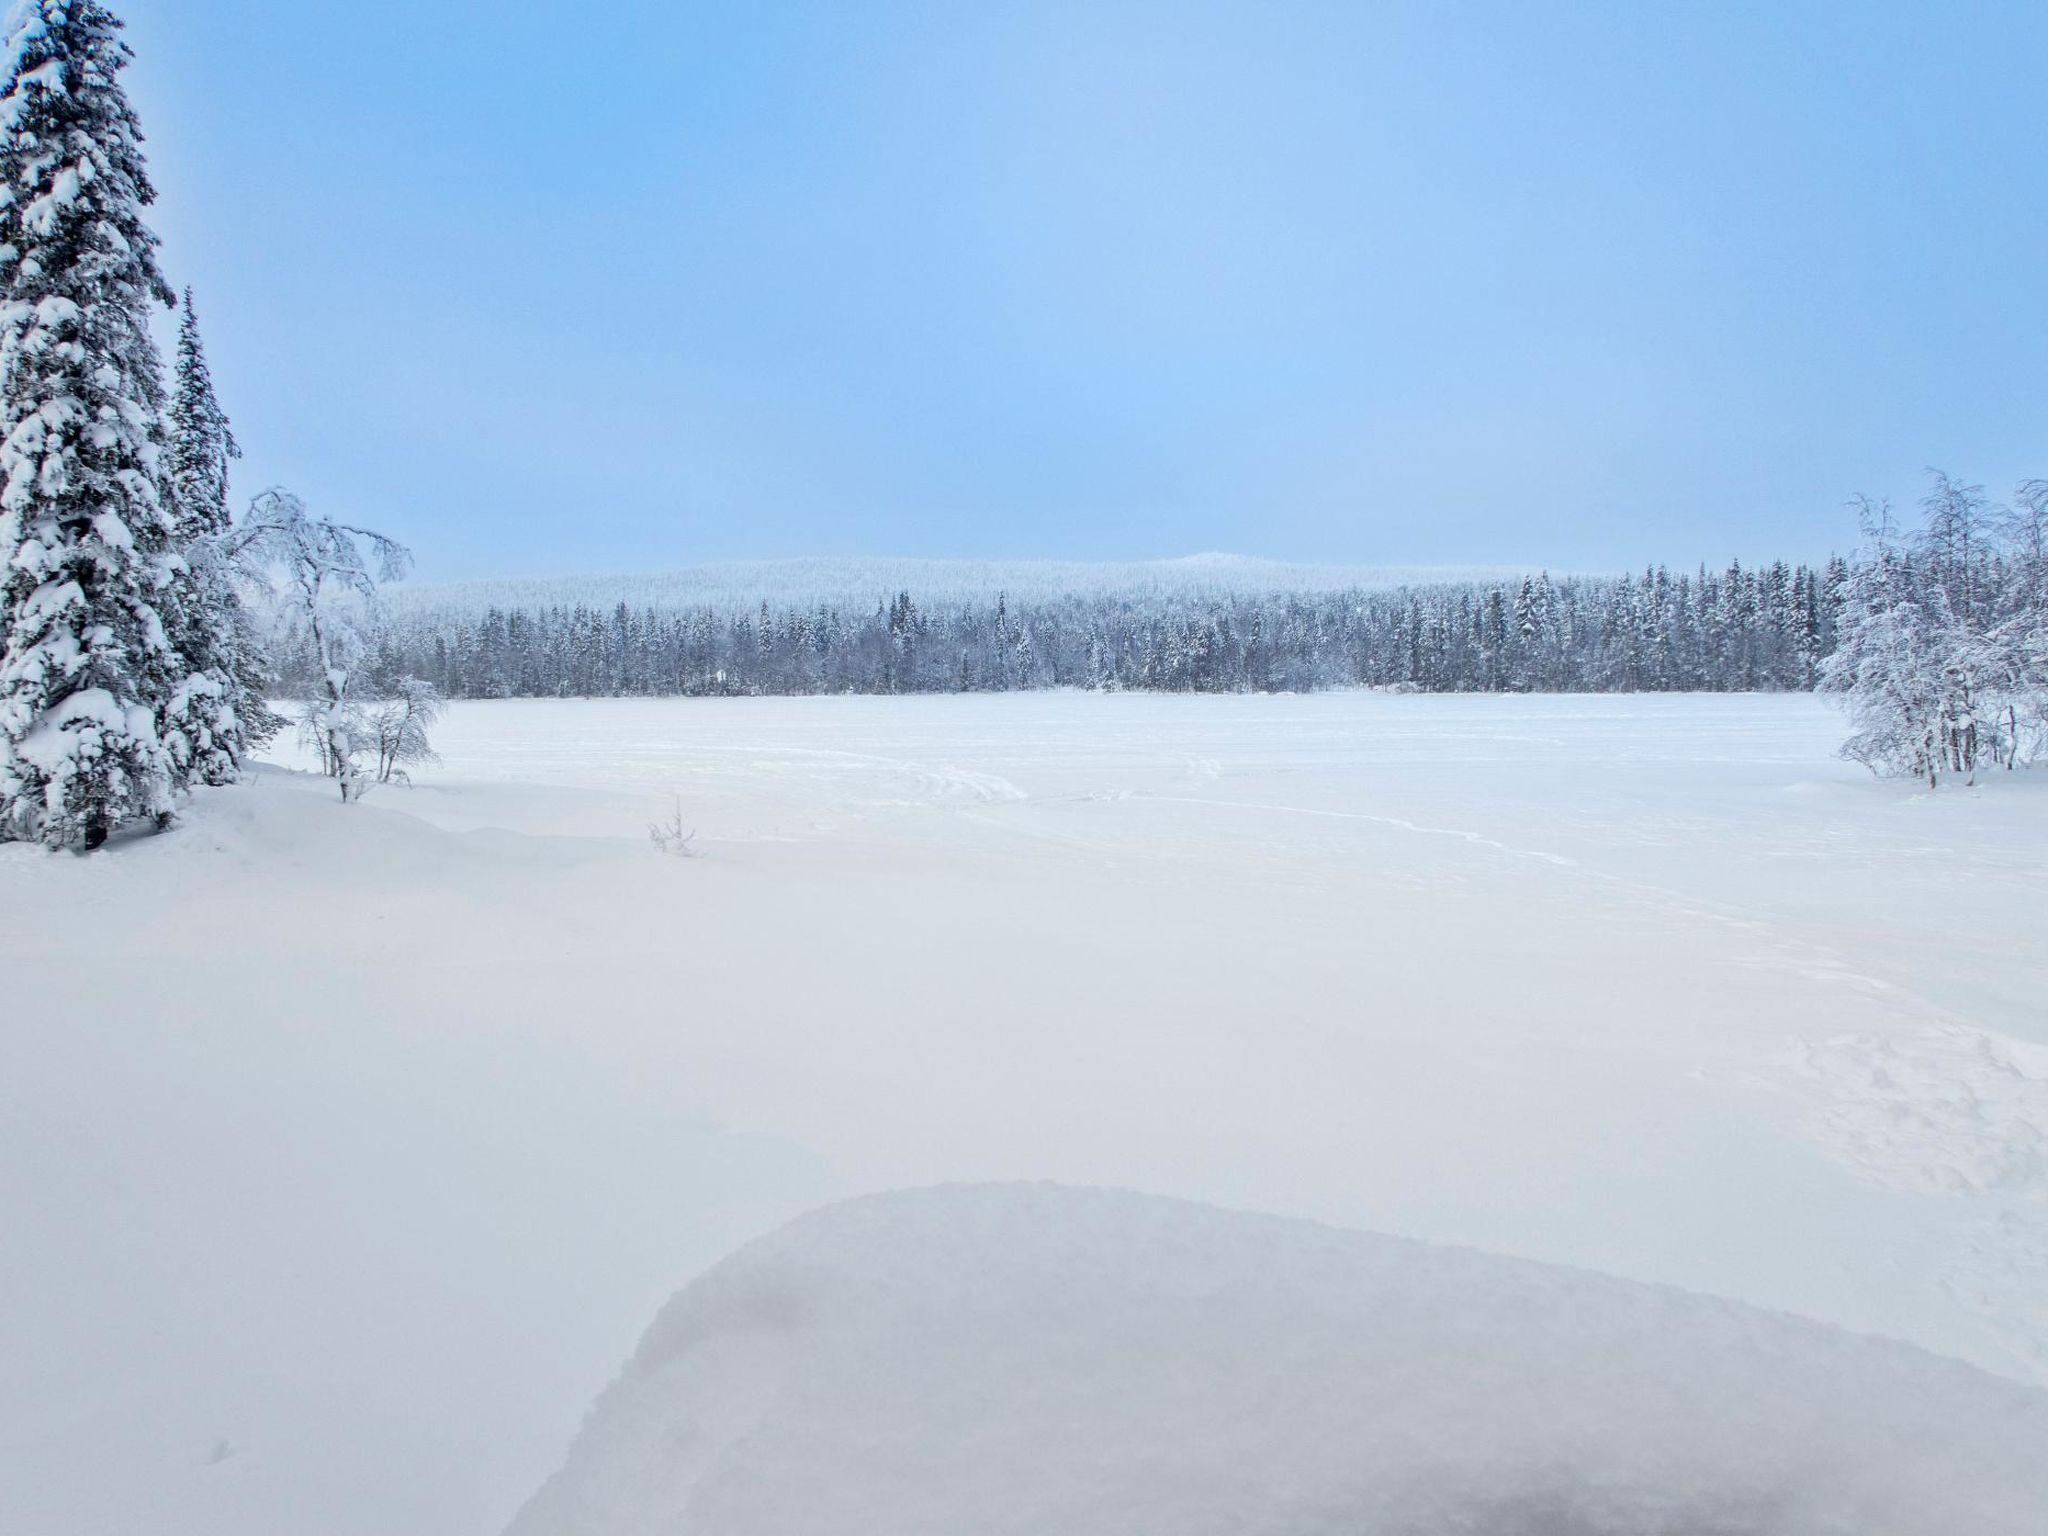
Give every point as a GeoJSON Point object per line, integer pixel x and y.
{"type": "Point", "coordinates": [220, 711]}
{"type": "Point", "coordinates": [87, 663]}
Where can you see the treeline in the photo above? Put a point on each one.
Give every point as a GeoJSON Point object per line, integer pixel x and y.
{"type": "Point", "coordinates": [1736, 629]}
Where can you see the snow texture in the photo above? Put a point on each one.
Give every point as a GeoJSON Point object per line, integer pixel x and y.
{"type": "Point", "coordinates": [363, 1141]}
{"type": "Point", "coordinates": [1031, 1359]}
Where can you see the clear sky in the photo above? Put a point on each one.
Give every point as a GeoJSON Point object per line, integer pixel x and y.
{"type": "Point", "coordinates": [588, 286]}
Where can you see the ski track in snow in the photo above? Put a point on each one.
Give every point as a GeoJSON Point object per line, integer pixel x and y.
{"type": "Point", "coordinates": [1478, 839]}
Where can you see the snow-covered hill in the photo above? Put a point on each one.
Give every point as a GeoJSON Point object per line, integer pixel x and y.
{"type": "Point", "coordinates": [1024, 1360]}
{"type": "Point", "coordinates": [862, 582]}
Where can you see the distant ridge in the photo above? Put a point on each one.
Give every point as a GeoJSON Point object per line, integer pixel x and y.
{"type": "Point", "coordinates": [866, 581]}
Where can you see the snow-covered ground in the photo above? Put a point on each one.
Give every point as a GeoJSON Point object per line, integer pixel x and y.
{"type": "Point", "coordinates": [345, 1152]}
{"type": "Point", "coordinates": [1018, 1360]}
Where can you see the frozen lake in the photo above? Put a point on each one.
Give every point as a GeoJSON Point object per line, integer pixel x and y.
{"type": "Point", "coordinates": [1651, 985]}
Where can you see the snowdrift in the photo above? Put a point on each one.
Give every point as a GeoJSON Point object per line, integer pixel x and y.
{"type": "Point", "coordinates": [1039, 1359]}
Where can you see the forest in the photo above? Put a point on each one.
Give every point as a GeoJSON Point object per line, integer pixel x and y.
{"type": "Point", "coordinates": [1734, 629]}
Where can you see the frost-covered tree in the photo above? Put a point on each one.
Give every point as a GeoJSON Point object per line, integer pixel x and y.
{"type": "Point", "coordinates": [2016, 649]}
{"type": "Point", "coordinates": [1955, 535]}
{"type": "Point", "coordinates": [396, 724]}
{"type": "Point", "coordinates": [88, 665]}
{"type": "Point", "coordinates": [1942, 640]}
{"type": "Point", "coordinates": [1983, 571]}
{"type": "Point", "coordinates": [2025, 527]}
{"type": "Point", "coordinates": [1888, 667]}
{"type": "Point", "coordinates": [329, 573]}
{"type": "Point", "coordinates": [224, 695]}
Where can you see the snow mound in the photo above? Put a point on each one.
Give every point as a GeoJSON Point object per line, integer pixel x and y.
{"type": "Point", "coordinates": [1009, 1359]}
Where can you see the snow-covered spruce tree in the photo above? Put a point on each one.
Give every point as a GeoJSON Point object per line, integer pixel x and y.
{"type": "Point", "coordinates": [87, 664]}
{"type": "Point", "coordinates": [220, 711]}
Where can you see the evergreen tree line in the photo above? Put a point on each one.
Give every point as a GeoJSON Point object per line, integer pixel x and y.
{"type": "Point", "coordinates": [129, 669]}
{"type": "Point", "coordinates": [1769, 628]}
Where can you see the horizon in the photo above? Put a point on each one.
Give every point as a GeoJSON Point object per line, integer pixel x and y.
{"type": "Point", "coordinates": [1287, 572]}
{"type": "Point", "coordinates": [1399, 287]}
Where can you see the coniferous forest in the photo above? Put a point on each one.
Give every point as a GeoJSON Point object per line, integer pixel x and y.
{"type": "Point", "coordinates": [1935, 636]}
{"type": "Point", "coordinates": [1735, 629]}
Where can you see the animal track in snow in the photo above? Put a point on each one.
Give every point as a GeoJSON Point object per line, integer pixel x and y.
{"type": "Point", "coordinates": [1936, 1108]}
{"type": "Point", "coordinates": [1939, 1108]}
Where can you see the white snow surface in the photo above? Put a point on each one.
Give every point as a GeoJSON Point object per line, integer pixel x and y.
{"type": "Point", "coordinates": [1017, 1360]}
{"type": "Point", "coordinates": [345, 1151]}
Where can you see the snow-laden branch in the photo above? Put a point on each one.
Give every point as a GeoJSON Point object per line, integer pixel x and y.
{"type": "Point", "coordinates": [1942, 660]}
{"type": "Point", "coordinates": [330, 572]}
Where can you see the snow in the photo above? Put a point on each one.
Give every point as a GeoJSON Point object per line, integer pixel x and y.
{"type": "Point", "coordinates": [1027, 1359]}
{"type": "Point", "coordinates": [363, 1141]}
{"type": "Point", "coordinates": [77, 725]}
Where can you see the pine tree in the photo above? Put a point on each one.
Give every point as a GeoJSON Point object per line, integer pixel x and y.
{"type": "Point", "coordinates": [87, 663]}
{"type": "Point", "coordinates": [221, 710]}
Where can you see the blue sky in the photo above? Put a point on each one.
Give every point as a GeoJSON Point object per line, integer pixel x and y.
{"type": "Point", "coordinates": [581, 287]}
